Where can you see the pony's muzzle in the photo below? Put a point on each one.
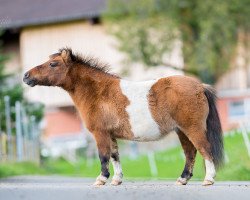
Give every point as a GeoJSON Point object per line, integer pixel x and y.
{"type": "Point", "coordinates": [28, 80]}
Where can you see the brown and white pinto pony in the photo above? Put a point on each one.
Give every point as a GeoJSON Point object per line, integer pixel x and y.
{"type": "Point", "coordinates": [112, 108]}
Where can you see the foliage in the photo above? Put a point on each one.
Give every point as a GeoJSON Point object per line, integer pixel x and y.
{"type": "Point", "coordinates": [10, 86]}
{"type": "Point", "coordinates": [147, 39]}
{"type": "Point", "coordinates": [208, 31]}
{"type": "Point", "coordinates": [169, 164]}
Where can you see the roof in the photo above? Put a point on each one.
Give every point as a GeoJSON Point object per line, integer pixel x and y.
{"type": "Point", "coordinates": [21, 13]}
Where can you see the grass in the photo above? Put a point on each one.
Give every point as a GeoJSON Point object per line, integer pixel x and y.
{"type": "Point", "coordinates": [169, 164]}
{"type": "Point", "coordinates": [21, 168]}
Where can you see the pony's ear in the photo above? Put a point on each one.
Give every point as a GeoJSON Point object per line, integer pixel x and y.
{"type": "Point", "coordinates": [66, 55]}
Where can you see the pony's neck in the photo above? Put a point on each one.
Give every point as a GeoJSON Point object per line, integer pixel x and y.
{"type": "Point", "coordinates": [85, 84]}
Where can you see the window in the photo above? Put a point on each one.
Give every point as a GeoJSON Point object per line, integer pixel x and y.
{"type": "Point", "coordinates": [236, 108]}
{"type": "Point", "coordinates": [239, 109]}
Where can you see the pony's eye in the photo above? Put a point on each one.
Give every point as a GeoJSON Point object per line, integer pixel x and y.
{"type": "Point", "coordinates": [53, 64]}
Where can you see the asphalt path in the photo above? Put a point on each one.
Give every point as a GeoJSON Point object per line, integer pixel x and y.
{"type": "Point", "coordinates": [68, 188]}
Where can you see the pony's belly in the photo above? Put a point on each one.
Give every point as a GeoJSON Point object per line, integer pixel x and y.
{"type": "Point", "coordinates": [143, 126]}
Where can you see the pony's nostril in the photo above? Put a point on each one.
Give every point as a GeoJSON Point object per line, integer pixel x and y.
{"type": "Point", "coordinates": [26, 75]}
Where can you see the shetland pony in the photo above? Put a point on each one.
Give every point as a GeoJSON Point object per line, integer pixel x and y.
{"type": "Point", "coordinates": [112, 108]}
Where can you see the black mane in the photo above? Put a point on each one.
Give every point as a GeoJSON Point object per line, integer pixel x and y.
{"type": "Point", "coordinates": [88, 61]}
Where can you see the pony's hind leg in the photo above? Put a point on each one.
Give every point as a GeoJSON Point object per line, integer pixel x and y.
{"type": "Point", "coordinates": [199, 139]}
{"type": "Point", "coordinates": [103, 144]}
{"type": "Point", "coordinates": [190, 153]}
{"type": "Point", "coordinates": [117, 178]}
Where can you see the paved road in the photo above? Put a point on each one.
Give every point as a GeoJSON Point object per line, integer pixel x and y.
{"type": "Point", "coordinates": [64, 188]}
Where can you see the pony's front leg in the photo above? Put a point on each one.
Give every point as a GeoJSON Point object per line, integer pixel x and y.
{"type": "Point", "coordinates": [117, 178]}
{"type": "Point", "coordinates": [103, 143]}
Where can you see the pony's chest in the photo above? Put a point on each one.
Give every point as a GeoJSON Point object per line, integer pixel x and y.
{"type": "Point", "coordinates": [143, 126]}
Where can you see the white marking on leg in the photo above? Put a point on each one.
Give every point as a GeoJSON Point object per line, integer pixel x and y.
{"type": "Point", "coordinates": [117, 178]}
{"type": "Point", "coordinates": [117, 167]}
{"type": "Point", "coordinates": [143, 125]}
{"type": "Point", "coordinates": [210, 171]}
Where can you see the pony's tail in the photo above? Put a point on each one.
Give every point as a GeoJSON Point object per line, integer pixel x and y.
{"type": "Point", "coordinates": [214, 131]}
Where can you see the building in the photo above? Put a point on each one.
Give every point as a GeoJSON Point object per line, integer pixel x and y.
{"type": "Point", "coordinates": [234, 88]}
{"type": "Point", "coordinates": [39, 28]}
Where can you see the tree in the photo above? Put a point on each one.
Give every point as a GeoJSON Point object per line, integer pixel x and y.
{"type": "Point", "coordinates": [9, 86]}
{"type": "Point", "coordinates": [208, 31]}
{"type": "Point", "coordinates": [141, 33]}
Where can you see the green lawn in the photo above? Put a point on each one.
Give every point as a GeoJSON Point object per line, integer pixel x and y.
{"type": "Point", "coordinates": [169, 163]}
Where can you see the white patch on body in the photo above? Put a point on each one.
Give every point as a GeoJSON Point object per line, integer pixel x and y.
{"type": "Point", "coordinates": [210, 171]}
{"type": "Point", "coordinates": [143, 125]}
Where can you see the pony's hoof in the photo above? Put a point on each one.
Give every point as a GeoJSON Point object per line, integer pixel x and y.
{"type": "Point", "coordinates": [181, 181]}
{"type": "Point", "coordinates": [207, 182]}
{"type": "Point", "coordinates": [116, 182]}
{"type": "Point", "coordinates": [100, 180]}
{"type": "Point", "coordinates": [99, 183]}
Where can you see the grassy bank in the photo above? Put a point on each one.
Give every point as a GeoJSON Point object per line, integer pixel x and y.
{"type": "Point", "coordinates": [169, 164]}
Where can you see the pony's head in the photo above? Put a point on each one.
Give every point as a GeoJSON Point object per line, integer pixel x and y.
{"type": "Point", "coordinates": [51, 73]}
{"type": "Point", "coordinates": [58, 70]}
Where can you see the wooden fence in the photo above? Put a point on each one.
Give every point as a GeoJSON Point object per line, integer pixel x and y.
{"type": "Point", "coordinates": [20, 139]}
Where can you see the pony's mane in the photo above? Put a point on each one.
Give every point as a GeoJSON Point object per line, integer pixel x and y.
{"type": "Point", "coordinates": [88, 61]}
